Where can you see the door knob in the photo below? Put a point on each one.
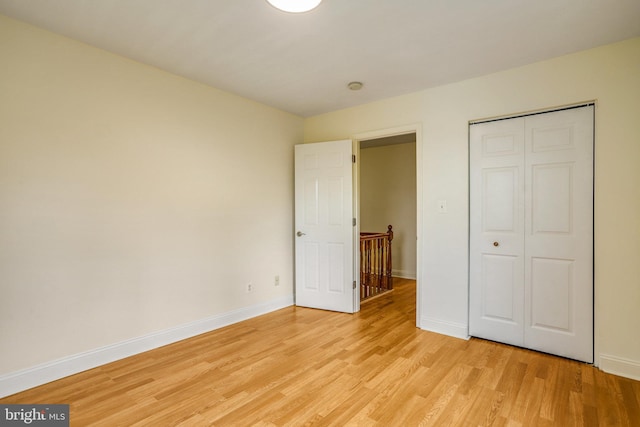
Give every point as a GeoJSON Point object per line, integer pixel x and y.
{"type": "Point", "coordinates": [496, 244]}
{"type": "Point", "coordinates": [300, 234]}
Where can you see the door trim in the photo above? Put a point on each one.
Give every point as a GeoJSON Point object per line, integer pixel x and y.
{"type": "Point", "coordinates": [593, 103]}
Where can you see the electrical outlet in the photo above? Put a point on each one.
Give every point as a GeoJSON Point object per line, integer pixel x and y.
{"type": "Point", "coordinates": [277, 281]}
{"type": "Point", "coordinates": [249, 287]}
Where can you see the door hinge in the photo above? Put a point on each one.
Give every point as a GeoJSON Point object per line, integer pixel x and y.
{"type": "Point", "coordinates": [354, 222]}
{"type": "Point", "coordinates": [354, 284]}
{"type": "Point", "coordinates": [353, 157]}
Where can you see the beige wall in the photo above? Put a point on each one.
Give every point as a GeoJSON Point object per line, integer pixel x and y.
{"type": "Point", "coordinates": [611, 76]}
{"type": "Point", "coordinates": [388, 196]}
{"type": "Point", "coordinates": [131, 200]}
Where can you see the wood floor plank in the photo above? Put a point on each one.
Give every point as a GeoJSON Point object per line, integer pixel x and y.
{"type": "Point", "coordinates": [299, 366]}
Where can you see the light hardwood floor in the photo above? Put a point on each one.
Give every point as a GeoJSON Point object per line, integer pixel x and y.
{"type": "Point", "coordinates": [301, 367]}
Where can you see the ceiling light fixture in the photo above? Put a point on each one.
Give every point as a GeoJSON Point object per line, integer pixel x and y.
{"type": "Point", "coordinates": [355, 85]}
{"type": "Point", "coordinates": [294, 6]}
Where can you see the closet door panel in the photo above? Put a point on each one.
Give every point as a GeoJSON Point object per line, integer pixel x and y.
{"type": "Point", "coordinates": [531, 232]}
{"type": "Point", "coordinates": [497, 231]}
{"type": "Point", "coordinates": [559, 233]}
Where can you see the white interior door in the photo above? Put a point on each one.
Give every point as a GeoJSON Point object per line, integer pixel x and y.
{"type": "Point", "coordinates": [324, 248]}
{"type": "Point", "coordinates": [531, 232]}
{"type": "Point", "coordinates": [559, 233]}
{"type": "Point", "coordinates": [497, 231]}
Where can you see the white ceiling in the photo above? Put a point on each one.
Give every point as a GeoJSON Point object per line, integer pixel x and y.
{"type": "Point", "coordinates": [302, 63]}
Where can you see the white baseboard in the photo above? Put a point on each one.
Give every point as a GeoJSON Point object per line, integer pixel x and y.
{"type": "Point", "coordinates": [404, 274]}
{"type": "Point", "coordinates": [31, 377]}
{"type": "Point", "coordinates": [620, 366]}
{"type": "Point", "coordinates": [456, 330]}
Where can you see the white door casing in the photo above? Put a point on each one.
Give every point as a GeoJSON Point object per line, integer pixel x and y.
{"type": "Point", "coordinates": [551, 285]}
{"type": "Point", "coordinates": [324, 241]}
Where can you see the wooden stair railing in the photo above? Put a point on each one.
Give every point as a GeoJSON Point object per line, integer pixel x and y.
{"type": "Point", "coordinates": [375, 263]}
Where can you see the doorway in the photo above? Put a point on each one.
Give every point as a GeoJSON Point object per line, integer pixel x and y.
{"type": "Point", "coordinates": [321, 178]}
{"type": "Point", "coordinates": [387, 193]}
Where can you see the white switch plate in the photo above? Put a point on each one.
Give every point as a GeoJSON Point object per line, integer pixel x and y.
{"type": "Point", "coordinates": [442, 206]}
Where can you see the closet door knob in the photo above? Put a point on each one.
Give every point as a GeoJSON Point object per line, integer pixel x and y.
{"type": "Point", "coordinates": [300, 234]}
{"type": "Point", "coordinates": [496, 244]}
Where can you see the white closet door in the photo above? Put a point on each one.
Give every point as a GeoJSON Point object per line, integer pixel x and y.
{"type": "Point", "coordinates": [497, 231]}
{"type": "Point", "coordinates": [559, 233]}
{"type": "Point", "coordinates": [531, 232]}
